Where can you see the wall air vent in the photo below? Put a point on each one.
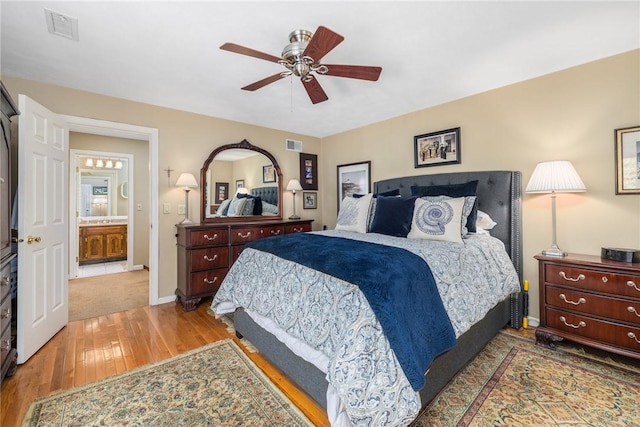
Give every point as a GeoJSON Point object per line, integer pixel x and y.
{"type": "Point", "coordinates": [62, 25]}
{"type": "Point", "coordinates": [293, 145]}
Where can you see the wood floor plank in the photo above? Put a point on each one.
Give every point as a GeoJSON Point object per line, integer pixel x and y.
{"type": "Point", "coordinates": [88, 350]}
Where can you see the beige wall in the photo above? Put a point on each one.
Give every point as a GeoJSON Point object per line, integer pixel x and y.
{"type": "Point", "coordinates": [568, 115]}
{"type": "Point", "coordinates": [185, 141]}
{"type": "Point", "coordinates": [140, 152]}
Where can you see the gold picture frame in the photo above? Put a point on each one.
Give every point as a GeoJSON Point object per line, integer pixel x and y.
{"type": "Point", "coordinates": [627, 142]}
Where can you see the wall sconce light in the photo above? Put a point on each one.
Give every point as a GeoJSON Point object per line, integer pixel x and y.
{"type": "Point", "coordinates": [293, 186]}
{"type": "Point", "coordinates": [188, 181]}
{"type": "Point", "coordinates": [553, 177]}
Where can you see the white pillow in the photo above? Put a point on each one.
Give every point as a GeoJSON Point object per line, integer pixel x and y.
{"type": "Point", "coordinates": [269, 209]}
{"type": "Point", "coordinates": [469, 201]}
{"type": "Point", "coordinates": [354, 214]}
{"type": "Point", "coordinates": [484, 221]}
{"type": "Point", "coordinates": [437, 220]}
{"type": "Point", "coordinates": [236, 206]}
{"type": "Point", "coordinates": [222, 207]}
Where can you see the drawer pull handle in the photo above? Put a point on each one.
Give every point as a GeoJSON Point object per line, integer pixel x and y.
{"type": "Point", "coordinates": [275, 232]}
{"type": "Point", "coordinates": [210, 282]}
{"type": "Point", "coordinates": [297, 230]}
{"type": "Point", "coordinates": [579, 325]}
{"type": "Point", "coordinates": [633, 285]}
{"type": "Point", "coordinates": [215, 257]}
{"type": "Point", "coordinates": [571, 279]}
{"type": "Point", "coordinates": [215, 236]}
{"type": "Point", "coordinates": [5, 345]}
{"type": "Point", "coordinates": [633, 337]}
{"type": "Point", "coordinates": [604, 279]}
{"type": "Point", "coordinates": [631, 309]}
{"type": "Point", "coordinates": [563, 297]}
{"type": "Point", "coordinates": [244, 236]}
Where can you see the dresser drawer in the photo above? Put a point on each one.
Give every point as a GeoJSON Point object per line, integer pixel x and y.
{"type": "Point", "coordinates": [5, 314]}
{"type": "Point", "coordinates": [5, 281]}
{"type": "Point", "coordinates": [599, 281]}
{"type": "Point", "coordinates": [207, 282]}
{"type": "Point", "coordinates": [213, 237]}
{"type": "Point", "coordinates": [245, 235]}
{"type": "Point", "coordinates": [597, 305]}
{"type": "Point", "coordinates": [5, 345]}
{"type": "Point", "coordinates": [204, 259]}
{"type": "Point", "coordinates": [597, 329]}
{"type": "Point", "coordinates": [276, 230]}
{"type": "Point", "coordinates": [297, 228]}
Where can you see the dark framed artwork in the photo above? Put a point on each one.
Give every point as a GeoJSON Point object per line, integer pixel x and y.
{"type": "Point", "coordinates": [628, 160]}
{"type": "Point", "coordinates": [309, 200]}
{"type": "Point", "coordinates": [353, 178]}
{"type": "Point", "coordinates": [309, 171]}
{"type": "Point", "coordinates": [268, 174]}
{"type": "Point", "coordinates": [437, 148]}
{"type": "Point", "coordinates": [222, 192]}
{"type": "Point", "coordinates": [239, 184]}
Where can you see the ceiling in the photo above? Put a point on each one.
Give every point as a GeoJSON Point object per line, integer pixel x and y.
{"type": "Point", "coordinates": [167, 53]}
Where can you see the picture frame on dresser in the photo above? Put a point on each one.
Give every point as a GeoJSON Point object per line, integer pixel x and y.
{"type": "Point", "coordinates": [627, 148]}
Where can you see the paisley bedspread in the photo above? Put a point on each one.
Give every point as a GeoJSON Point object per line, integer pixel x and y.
{"type": "Point", "coordinates": [334, 318]}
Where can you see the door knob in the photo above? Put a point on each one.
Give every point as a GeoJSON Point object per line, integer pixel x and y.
{"type": "Point", "coordinates": [31, 239]}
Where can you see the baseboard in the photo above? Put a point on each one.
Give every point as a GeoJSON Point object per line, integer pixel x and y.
{"type": "Point", "coordinates": [138, 267]}
{"type": "Point", "coordinates": [533, 322]}
{"type": "Point", "coordinates": [164, 300]}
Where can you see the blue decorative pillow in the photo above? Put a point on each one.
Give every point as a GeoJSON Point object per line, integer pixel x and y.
{"type": "Point", "coordinates": [452, 190]}
{"type": "Point", "coordinates": [393, 216]}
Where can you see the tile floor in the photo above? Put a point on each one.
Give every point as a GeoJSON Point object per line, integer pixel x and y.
{"type": "Point", "coordinates": [103, 268]}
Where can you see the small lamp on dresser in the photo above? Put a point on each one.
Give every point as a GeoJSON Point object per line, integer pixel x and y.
{"type": "Point", "coordinates": [557, 176]}
{"type": "Point", "coordinates": [188, 181]}
{"type": "Point", "coordinates": [293, 186]}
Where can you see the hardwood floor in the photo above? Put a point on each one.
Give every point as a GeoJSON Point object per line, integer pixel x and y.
{"type": "Point", "coordinates": [89, 350]}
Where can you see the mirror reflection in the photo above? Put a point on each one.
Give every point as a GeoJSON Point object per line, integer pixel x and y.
{"type": "Point", "coordinates": [100, 187]}
{"type": "Point", "coordinates": [241, 181]}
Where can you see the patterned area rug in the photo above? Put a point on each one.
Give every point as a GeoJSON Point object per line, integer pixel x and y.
{"type": "Point", "coordinates": [513, 382]}
{"type": "Point", "coordinates": [216, 385]}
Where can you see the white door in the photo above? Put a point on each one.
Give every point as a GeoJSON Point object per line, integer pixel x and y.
{"type": "Point", "coordinates": [43, 183]}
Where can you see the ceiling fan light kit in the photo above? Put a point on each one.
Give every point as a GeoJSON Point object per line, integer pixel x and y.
{"type": "Point", "coordinates": [301, 57]}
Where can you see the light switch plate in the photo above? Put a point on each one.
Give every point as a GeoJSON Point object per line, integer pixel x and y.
{"type": "Point", "coordinates": [166, 208]}
{"type": "Point", "coordinates": [182, 209]}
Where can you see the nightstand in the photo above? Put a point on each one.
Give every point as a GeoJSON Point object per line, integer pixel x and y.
{"type": "Point", "coordinates": [590, 300]}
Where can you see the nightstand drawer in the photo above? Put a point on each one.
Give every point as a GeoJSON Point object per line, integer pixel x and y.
{"type": "Point", "coordinates": [207, 282]}
{"type": "Point", "coordinates": [204, 259]}
{"type": "Point", "coordinates": [597, 305]}
{"type": "Point", "coordinates": [599, 281]}
{"type": "Point", "coordinates": [596, 329]}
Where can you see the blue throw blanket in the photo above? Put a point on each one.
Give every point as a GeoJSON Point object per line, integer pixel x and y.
{"type": "Point", "coordinates": [398, 285]}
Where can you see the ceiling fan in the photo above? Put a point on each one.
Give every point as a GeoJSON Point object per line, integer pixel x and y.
{"type": "Point", "coordinates": [302, 58]}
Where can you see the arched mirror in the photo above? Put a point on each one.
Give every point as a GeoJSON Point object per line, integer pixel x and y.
{"type": "Point", "coordinates": [240, 182]}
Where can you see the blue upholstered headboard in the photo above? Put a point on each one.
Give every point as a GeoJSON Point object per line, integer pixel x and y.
{"type": "Point", "coordinates": [499, 195]}
{"type": "Point", "coordinates": [267, 194]}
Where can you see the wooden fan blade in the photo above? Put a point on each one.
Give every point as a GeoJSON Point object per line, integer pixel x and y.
{"type": "Point", "coordinates": [236, 48]}
{"type": "Point", "coordinates": [353, 71]}
{"type": "Point", "coordinates": [262, 83]}
{"type": "Point", "coordinates": [315, 91]}
{"type": "Point", "coordinates": [321, 43]}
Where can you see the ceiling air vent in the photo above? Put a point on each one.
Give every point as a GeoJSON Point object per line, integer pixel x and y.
{"type": "Point", "coordinates": [293, 145]}
{"type": "Point", "coordinates": [61, 25]}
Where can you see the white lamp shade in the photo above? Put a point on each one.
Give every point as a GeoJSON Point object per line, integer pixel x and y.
{"type": "Point", "coordinates": [186, 180]}
{"type": "Point", "coordinates": [555, 176]}
{"type": "Point", "coordinates": [242, 190]}
{"type": "Point", "coordinates": [294, 185]}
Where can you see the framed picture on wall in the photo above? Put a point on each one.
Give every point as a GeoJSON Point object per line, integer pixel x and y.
{"type": "Point", "coordinates": [353, 178]}
{"type": "Point", "coordinates": [628, 160]}
{"type": "Point", "coordinates": [268, 174]}
{"type": "Point", "coordinates": [437, 148]}
{"type": "Point", "coordinates": [239, 184]}
{"type": "Point", "coordinates": [309, 171]}
{"type": "Point", "coordinates": [222, 192]}
{"type": "Point", "coordinates": [309, 200]}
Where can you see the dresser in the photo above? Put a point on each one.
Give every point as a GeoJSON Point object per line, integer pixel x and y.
{"type": "Point", "coordinates": [590, 300]}
{"type": "Point", "coordinates": [8, 353]}
{"type": "Point", "coordinates": [102, 243]}
{"type": "Point", "coordinates": [207, 251]}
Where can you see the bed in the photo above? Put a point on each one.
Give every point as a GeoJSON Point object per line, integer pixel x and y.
{"type": "Point", "coordinates": [498, 195]}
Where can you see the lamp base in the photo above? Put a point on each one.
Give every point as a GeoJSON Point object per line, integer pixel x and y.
{"type": "Point", "coordinates": [294, 217]}
{"type": "Point", "coordinates": [186, 221]}
{"type": "Point", "coordinates": [554, 252]}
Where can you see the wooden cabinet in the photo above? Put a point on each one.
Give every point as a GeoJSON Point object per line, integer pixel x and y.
{"type": "Point", "coordinates": [592, 301]}
{"type": "Point", "coordinates": [207, 251]}
{"type": "Point", "coordinates": [101, 243]}
{"type": "Point", "coordinates": [8, 355]}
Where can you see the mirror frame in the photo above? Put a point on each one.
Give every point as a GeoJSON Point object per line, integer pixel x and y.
{"type": "Point", "coordinates": [246, 145]}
